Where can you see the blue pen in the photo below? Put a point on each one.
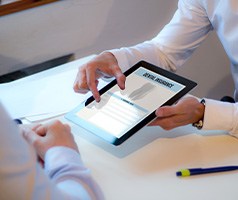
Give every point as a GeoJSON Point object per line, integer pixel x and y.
{"type": "Point", "coordinates": [198, 171]}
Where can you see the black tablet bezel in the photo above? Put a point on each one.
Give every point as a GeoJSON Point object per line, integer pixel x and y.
{"type": "Point", "coordinates": [189, 85]}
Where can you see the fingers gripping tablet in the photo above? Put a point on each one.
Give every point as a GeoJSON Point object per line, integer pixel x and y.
{"type": "Point", "coordinates": [121, 113]}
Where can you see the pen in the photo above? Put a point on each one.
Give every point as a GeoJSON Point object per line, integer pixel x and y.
{"type": "Point", "coordinates": [17, 121]}
{"type": "Point", "coordinates": [198, 171]}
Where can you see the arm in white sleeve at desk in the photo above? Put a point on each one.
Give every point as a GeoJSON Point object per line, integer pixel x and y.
{"type": "Point", "coordinates": [177, 41]}
{"type": "Point", "coordinates": [167, 49]}
{"type": "Point", "coordinates": [221, 116]}
{"type": "Point", "coordinates": [22, 177]}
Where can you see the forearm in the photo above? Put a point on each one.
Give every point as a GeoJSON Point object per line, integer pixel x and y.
{"type": "Point", "coordinates": [221, 116]}
{"type": "Point", "coordinates": [148, 51]}
{"type": "Point", "coordinates": [65, 168]}
{"type": "Point", "coordinates": [174, 44]}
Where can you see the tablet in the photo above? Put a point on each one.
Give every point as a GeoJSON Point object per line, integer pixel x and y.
{"type": "Point", "coordinates": [121, 113]}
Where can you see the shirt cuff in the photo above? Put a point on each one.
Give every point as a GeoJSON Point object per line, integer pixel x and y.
{"type": "Point", "coordinates": [121, 59]}
{"type": "Point", "coordinates": [57, 156]}
{"type": "Point", "coordinates": [220, 116]}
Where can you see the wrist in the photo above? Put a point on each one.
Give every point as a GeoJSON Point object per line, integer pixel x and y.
{"type": "Point", "coordinates": [107, 55]}
{"type": "Point", "coordinates": [201, 110]}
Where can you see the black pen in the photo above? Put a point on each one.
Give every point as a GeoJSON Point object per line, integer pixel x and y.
{"type": "Point", "coordinates": [17, 121]}
{"type": "Point", "coordinates": [198, 171]}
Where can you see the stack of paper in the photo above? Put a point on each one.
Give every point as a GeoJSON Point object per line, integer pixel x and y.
{"type": "Point", "coordinates": [45, 94]}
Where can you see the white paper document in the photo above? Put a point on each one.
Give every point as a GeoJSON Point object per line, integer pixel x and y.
{"type": "Point", "coordinates": [44, 95]}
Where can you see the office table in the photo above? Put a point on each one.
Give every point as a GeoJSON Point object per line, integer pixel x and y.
{"type": "Point", "coordinates": [144, 167]}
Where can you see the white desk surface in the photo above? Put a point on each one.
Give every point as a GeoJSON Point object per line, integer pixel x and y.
{"type": "Point", "coordinates": [144, 167]}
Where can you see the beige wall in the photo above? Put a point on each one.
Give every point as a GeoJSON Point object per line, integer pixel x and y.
{"type": "Point", "coordinates": [87, 27]}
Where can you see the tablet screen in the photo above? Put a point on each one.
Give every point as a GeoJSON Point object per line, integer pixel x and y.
{"type": "Point", "coordinates": [119, 111]}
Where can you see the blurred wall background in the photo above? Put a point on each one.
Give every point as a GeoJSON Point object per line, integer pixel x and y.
{"type": "Point", "coordinates": [84, 27]}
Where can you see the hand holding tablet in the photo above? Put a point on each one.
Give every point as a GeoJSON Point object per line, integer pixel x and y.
{"type": "Point", "coordinates": [121, 113]}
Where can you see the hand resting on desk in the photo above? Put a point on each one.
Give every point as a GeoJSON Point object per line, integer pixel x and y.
{"type": "Point", "coordinates": [52, 134]}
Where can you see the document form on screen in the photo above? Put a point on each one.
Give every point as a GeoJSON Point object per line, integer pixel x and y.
{"type": "Point", "coordinates": [119, 110]}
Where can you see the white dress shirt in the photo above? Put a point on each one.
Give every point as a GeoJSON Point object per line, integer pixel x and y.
{"type": "Point", "coordinates": [191, 24]}
{"type": "Point", "coordinates": [22, 177]}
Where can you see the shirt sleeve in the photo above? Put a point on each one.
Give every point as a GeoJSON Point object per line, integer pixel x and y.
{"type": "Point", "coordinates": [65, 167]}
{"type": "Point", "coordinates": [221, 116]}
{"type": "Point", "coordinates": [23, 178]}
{"type": "Point", "coordinates": [175, 43]}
